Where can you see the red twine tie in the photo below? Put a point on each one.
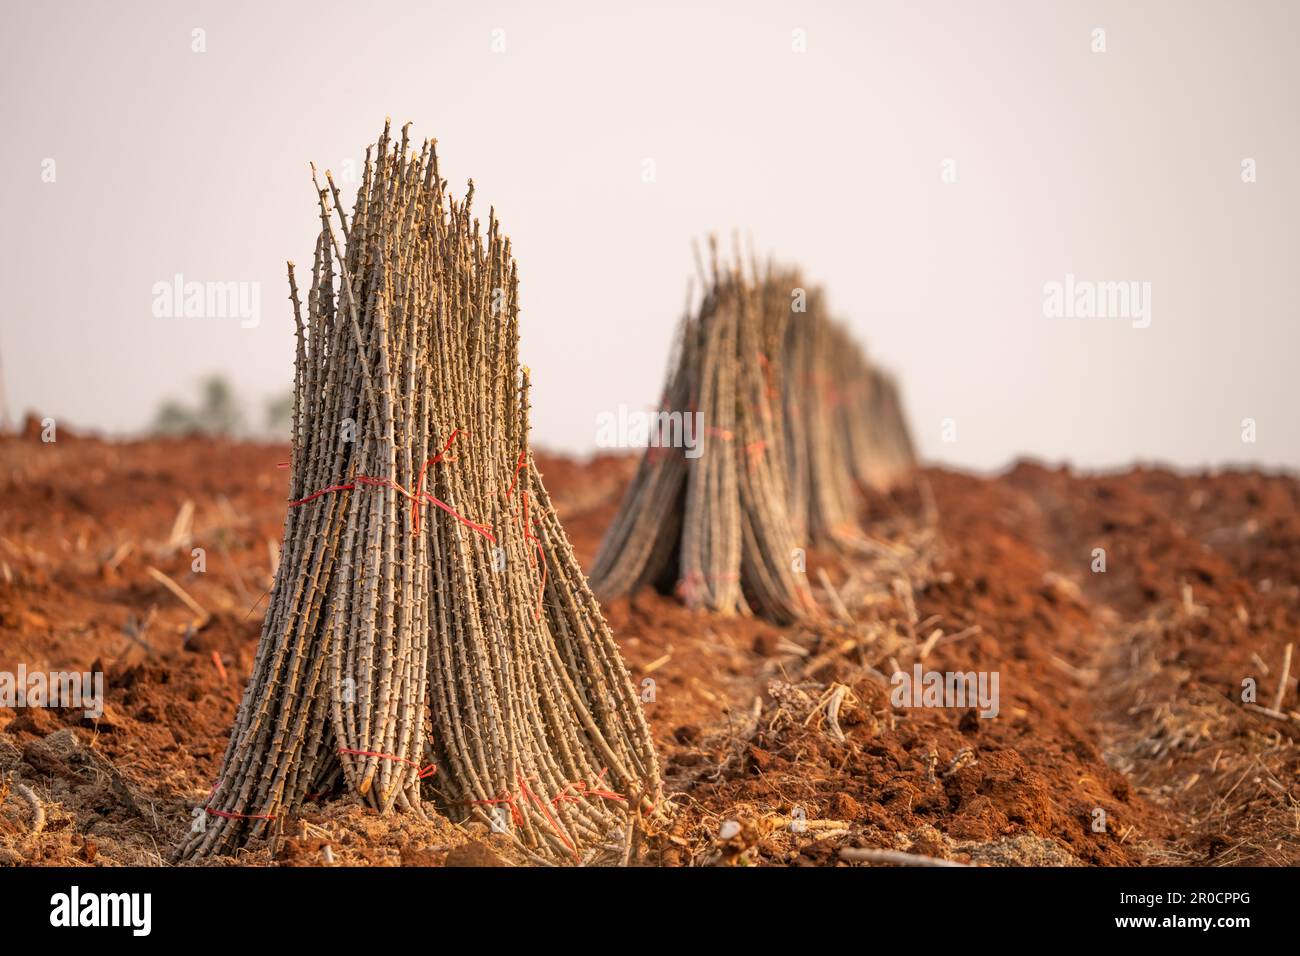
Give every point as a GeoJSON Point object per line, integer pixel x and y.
{"type": "Point", "coordinates": [687, 586]}
{"type": "Point", "coordinates": [546, 812]}
{"type": "Point", "coordinates": [428, 770]}
{"type": "Point", "coordinates": [580, 789]}
{"type": "Point", "coordinates": [520, 465]}
{"type": "Point", "coordinates": [420, 496]}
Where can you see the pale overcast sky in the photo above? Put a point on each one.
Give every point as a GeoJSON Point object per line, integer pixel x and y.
{"type": "Point", "coordinates": [934, 165]}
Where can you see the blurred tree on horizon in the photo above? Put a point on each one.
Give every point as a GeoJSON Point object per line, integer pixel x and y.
{"type": "Point", "coordinates": [218, 412]}
{"type": "Point", "coordinates": [279, 414]}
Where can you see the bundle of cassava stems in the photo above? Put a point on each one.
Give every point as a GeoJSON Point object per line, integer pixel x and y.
{"type": "Point", "coordinates": [430, 637]}
{"type": "Point", "coordinates": [795, 423]}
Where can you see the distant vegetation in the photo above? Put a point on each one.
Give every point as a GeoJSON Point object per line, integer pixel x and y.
{"type": "Point", "coordinates": [279, 414]}
{"type": "Point", "coordinates": [219, 412]}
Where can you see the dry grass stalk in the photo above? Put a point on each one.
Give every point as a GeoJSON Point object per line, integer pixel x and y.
{"type": "Point", "coordinates": [29, 797]}
{"type": "Point", "coordinates": [1280, 694]}
{"type": "Point", "coordinates": [201, 615]}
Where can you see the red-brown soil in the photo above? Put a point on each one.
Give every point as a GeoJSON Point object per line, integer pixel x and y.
{"type": "Point", "coordinates": [1120, 691]}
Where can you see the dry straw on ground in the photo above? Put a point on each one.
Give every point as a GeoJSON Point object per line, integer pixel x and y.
{"type": "Point", "coordinates": [430, 635]}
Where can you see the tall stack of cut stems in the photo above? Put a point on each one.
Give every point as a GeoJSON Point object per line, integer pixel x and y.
{"type": "Point", "coordinates": [796, 423]}
{"type": "Point", "coordinates": [430, 636]}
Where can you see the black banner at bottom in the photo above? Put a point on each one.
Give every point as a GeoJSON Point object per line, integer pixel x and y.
{"type": "Point", "coordinates": [330, 905]}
